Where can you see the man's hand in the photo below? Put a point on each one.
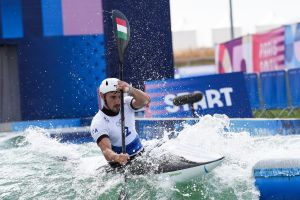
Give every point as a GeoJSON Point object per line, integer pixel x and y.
{"type": "Point", "coordinates": [122, 159]}
{"type": "Point", "coordinates": [140, 98]}
{"type": "Point", "coordinates": [110, 155]}
{"type": "Point", "coordinates": [122, 85]}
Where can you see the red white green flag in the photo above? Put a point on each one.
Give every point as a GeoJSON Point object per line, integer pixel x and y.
{"type": "Point", "coordinates": [121, 28]}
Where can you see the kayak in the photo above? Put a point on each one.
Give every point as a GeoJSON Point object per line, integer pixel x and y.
{"type": "Point", "coordinates": [177, 168]}
{"type": "Point", "coordinates": [186, 170]}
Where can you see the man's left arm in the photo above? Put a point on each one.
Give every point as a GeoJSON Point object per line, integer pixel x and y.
{"type": "Point", "coordinates": [140, 98]}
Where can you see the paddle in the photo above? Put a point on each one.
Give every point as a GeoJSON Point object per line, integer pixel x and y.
{"type": "Point", "coordinates": [121, 31]}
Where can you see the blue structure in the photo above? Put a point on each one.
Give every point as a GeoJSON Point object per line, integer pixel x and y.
{"type": "Point", "coordinates": [279, 187]}
{"type": "Point", "coordinates": [274, 90]}
{"type": "Point", "coordinates": [294, 87]}
{"type": "Point", "coordinates": [11, 13]}
{"type": "Point", "coordinates": [278, 179]}
{"type": "Point", "coordinates": [60, 82]}
{"type": "Point", "coordinates": [222, 94]}
{"type": "Point", "coordinates": [61, 64]}
{"type": "Point", "coordinates": [251, 81]}
{"type": "Point", "coordinates": [149, 55]}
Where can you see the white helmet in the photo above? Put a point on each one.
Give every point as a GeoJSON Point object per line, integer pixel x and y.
{"type": "Point", "coordinates": [109, 85]}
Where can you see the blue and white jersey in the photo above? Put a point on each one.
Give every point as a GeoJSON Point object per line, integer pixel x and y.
{"type": "Point", "coordinates": [103, 124]}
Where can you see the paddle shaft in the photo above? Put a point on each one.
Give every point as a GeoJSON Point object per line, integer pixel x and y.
{"type": "Point", "coordinates": [122, 108]}
{"type": "Point", "coordinates": [123, 193]}
{"type": "Point", "coordinates": [121, 30]}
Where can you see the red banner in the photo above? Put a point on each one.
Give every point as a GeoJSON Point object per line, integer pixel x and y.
{"type": "Point", "coordinates": [268, 50]}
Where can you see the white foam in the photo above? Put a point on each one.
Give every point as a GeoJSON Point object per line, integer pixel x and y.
{"type": "Point", "coordinates": [74, 167]}
{"type": "Point", "coordinates": [207, 140]}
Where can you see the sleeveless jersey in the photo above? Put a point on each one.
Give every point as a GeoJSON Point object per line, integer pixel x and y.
{"type": "Point", "coordinates": [103, 124]}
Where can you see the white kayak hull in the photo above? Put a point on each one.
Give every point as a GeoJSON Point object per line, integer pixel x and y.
{"type": "Point", "coordinates": [193, 172]}
{"type": "Point", "coordinates": [179, 169]}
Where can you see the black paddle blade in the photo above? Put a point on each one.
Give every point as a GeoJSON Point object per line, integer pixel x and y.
{"type": "Point", "coordinates": [121, 30]}
{"type": "Point", "coordinates": [187, 99]}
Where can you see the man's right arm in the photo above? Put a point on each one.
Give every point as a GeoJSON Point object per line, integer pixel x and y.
{"type": "Point", "coordinates": [109, 154]}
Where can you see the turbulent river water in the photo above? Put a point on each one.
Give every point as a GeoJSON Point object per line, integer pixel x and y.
{"type": "Point", "coordinates": [35, 166]}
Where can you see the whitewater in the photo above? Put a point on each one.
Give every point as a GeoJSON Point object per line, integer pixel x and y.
{"type": "Point", "coordinates": [35, 166]}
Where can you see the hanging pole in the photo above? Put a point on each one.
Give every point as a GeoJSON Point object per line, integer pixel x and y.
{"type": "Point", "coordinates": [231, 20]}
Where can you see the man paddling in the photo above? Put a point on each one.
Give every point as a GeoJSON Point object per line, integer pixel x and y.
{"type": "Point", "coordinates": [105, 126]}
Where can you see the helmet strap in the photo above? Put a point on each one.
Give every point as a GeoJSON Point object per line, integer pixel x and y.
{"type": "Point", "coordinates": [105, 101]}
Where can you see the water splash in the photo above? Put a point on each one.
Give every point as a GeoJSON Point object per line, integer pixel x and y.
{"type": "Point", "coordinates": [234, 179]}
{"type": "Point", "coordinates": [36, 166]}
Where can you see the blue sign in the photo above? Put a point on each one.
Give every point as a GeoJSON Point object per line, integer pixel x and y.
{"type": "Point", "coordinates": [222, 94]}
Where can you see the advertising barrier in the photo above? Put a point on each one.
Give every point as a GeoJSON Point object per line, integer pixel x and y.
{"type": "Point", "coordinates": [235, 55]}
{"type": "Point", "coordinates": [292, 46]}
{"type": "Point", "coordinates": [276, 49]}
{"type": "Point", "coordinates": [274, 90]}
{"type": "Point", "coordinates": [268, 50]}
{"type": "Point", "coordinates": [223, 94]}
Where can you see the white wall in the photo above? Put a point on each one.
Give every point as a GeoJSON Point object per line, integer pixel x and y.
{"type": "Point", "coordinates": [220, 35]}
{"type": "Point", "coordinates": [184, 40]}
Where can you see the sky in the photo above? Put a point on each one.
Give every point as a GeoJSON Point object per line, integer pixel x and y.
{"type": "Point", "coordinates": [206, 15]}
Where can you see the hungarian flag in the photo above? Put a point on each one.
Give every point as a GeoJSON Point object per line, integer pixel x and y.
{"type": "Point", "coordinates": [121, 28]}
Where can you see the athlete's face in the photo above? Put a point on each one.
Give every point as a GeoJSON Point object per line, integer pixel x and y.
{"type": "Point", "coordinates": [113, 101]}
